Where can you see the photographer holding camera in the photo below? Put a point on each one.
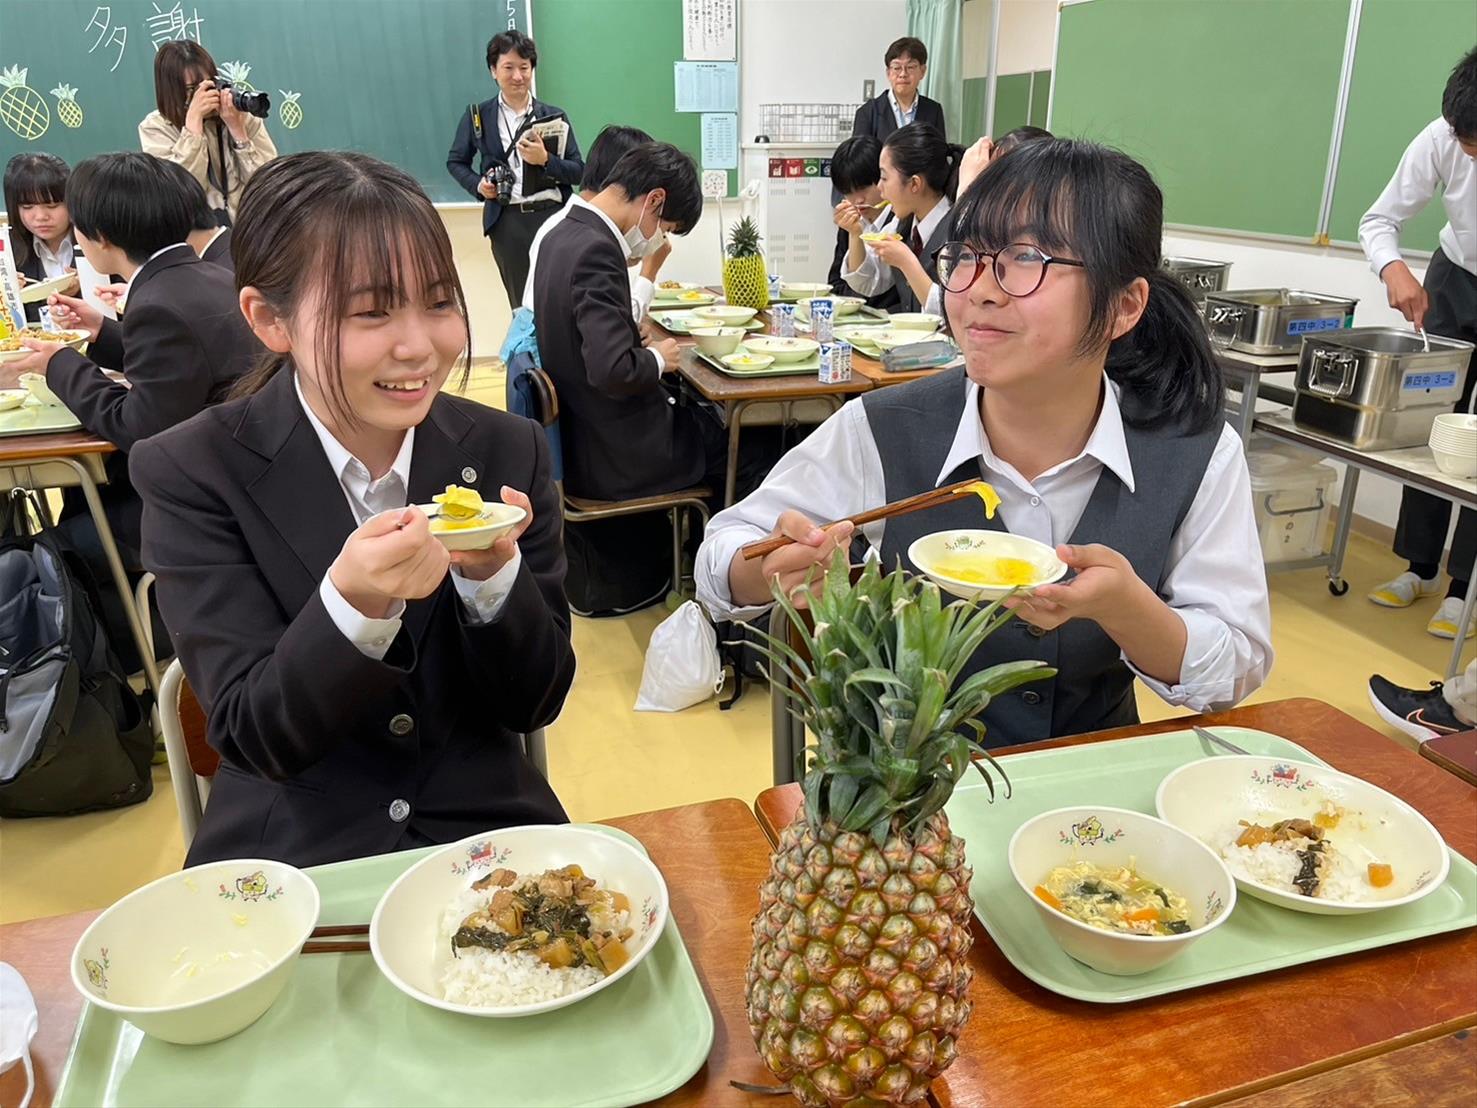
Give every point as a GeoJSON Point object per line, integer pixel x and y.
{"type": "Point", "coordinates": [521, 179]}
{"type": "Point", "coordinates": [216, 132]}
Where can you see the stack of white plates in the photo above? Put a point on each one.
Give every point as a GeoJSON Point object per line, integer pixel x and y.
{"type": "Point", "coordinates": [1454, 443]}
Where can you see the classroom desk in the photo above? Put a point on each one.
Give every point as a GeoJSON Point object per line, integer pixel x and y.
{"type": "Point", "coordinates": [1377, 1020]}
{"type": "Point", "coordinates": [1244, 372]}
{"type": "Point", "coordinates": [1454, 753]}
{"type": "Point", "coordinates": [74, 459]}
{"type": "Point", "coordinates": [714, 858]}
{"type": "Point", "coordinates": [1413, 467]}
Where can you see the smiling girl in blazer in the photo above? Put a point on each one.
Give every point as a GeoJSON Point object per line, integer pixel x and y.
{"type": "Point", "coordinates": [365, 688]}
{"type": "Point", "coordinates": [1090, 399]}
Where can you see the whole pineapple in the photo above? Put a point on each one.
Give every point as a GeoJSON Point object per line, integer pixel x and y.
{"type": "Point", "coordinates": [745, 280]}
{"type": "Point", "coordinates": [857, 985]}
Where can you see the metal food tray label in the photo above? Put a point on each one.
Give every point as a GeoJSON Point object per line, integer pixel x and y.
{"type": "Point", "coordinates": [1425, 382]}
{"type": "Point", "coordinates": [1314, 326]}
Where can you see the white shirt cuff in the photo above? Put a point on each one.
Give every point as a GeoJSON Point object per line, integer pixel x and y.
{"type": "Point", "coordinates": [642, 292]}
{"type": "Point", "coordinates": [661, 364]}
{"type": "Point", "coordinates": [1208, 679]}
{"type": "Point", "coordinates": [485, 600]}
{"type": "Point", "coordinates": [372, 637]}
{"type": "Point", "coordinates": [1381, 257]}
{"type": "Point", "coordinates": [934, 305]}
{"type": "Point", "coordinates": [714, 557]}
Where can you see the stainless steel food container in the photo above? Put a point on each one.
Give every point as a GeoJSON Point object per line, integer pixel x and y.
{"type": "Point", "coordinates": [1198, 275]}
{"type": "Point", "coordinates": [1273, 321]}
{"type": "Point", "coordinates": [1376, 388]}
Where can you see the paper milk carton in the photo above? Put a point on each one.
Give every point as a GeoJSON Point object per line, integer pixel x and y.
{"type": "Point", "coordinates": [835, 363]}
{"type": "Point", "coordinates": [821, 318]}
{"type": "Point", "coordinates": [12, 311]}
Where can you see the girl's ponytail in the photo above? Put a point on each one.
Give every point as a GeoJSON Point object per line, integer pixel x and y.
{"type": "Point", "coordinates": [1166, 362]}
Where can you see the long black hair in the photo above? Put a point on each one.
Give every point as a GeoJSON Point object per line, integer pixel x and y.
{"type": "Point", "coordinates": [32, 179]}
{"type": "Point", "coordinates": [1100, 207]}
{"type": "Point", "coordinates": [920, 150]}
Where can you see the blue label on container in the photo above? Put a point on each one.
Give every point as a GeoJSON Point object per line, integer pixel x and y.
{"type": "Point", "coordinates": [1313, 326]}
{"type": "Point", "coordinates": [1415, 382]}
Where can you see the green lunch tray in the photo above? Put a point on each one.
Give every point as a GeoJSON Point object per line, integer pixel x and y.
{"type": "Point", "coordinates": [1258, 937]}
{"type": "Point", "coordinates": [811, 365]}
{"type": "Point", "coordinates": [31, 420]}
{"type": "Point", "coordinates": [673, 322]}
{"type": "Point", "coordinates": [341, 1034]}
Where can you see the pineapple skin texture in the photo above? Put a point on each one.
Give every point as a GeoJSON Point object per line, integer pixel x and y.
{"type": "Point", "coordinates": [858, 982]}
{"type": "Point", "coordinates": [746, 282]}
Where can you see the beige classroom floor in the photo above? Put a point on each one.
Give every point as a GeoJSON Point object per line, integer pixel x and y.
{"type": "Point", "coordinates": [606, 760]}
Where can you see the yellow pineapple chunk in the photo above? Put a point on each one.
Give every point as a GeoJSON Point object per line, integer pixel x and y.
{"type": "Point", "coordinates": [459, 503]}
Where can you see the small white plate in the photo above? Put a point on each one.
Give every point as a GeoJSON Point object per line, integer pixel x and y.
{"type": "Point", "coordinates": [499, 519]}
{"type": "Point", "coordinates": [40, 290]}
{"type": "Point", "coordinates": [929, 551]}
{"type": "Point", "coordinates": [12, 398]}
{"type": "Point", "coordinates": [782, 350]}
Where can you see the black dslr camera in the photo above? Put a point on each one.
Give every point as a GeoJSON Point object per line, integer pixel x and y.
{"type": "Point", "coordinates": [258, 104]}
{"type": "Point", "coordinates": [501, 178]}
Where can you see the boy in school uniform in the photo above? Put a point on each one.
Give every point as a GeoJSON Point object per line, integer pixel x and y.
{"type": "Point", "coordinates": [855, 173]}
{"type": "Point", "coordinates": [907, 64]}
{"type": "Point", "coordinates": [498, 131]}
{"type": "Point", "coordinates": [1442, 158]}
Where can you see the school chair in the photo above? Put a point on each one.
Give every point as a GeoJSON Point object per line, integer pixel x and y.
{"type": "Point", "coordinates": [544, 403]}
{"type": "Point", "coordinates": [192, 762]}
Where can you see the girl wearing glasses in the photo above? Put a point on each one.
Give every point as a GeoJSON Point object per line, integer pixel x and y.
{"type": "Point", "coordinates": [1090, 400]}
{"type": "Point", "coordinates": [918, 170]}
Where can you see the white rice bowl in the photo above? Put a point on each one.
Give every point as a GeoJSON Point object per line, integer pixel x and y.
{"type": "Point", "coordinates": [410, 932]}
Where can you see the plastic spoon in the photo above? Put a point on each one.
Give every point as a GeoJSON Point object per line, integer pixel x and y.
{"type": "Point", "coordinates": [1425, 342]}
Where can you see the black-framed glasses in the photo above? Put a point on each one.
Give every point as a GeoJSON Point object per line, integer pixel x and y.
{"type": "Point", "coordinates": [1019, 268]}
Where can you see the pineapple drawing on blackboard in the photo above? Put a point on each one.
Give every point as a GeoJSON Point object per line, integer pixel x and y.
{"type": "Point", "coordinates": [67, 108]}
{"type": "Point", "coordinates": [290, 111]}
{"type": "Point", "coordinates": [236, 73]}
{"type": "Point", "coordinates": [22, 108]}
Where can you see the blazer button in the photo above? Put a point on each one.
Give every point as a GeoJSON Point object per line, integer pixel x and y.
{"type": "Point", "coordinates": [399, 810]}
{"type": "Point", "coordinates": [401, 725]}
{"type": "Point", "coordinates": [1031, 697]}
{"type": "Point", "coordinates": [1035, 632]}
{"type": "Point", "coordinates": [469, 474]}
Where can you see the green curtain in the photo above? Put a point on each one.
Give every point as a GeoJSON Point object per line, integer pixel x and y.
{"type": "Point", "coordinates": [940, 24]}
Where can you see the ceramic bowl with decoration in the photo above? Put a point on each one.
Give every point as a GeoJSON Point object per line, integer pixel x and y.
{"type": "Point", "coordinates": [803, 290]}
{"type": "Point", "coordinates": [916, 321]}
{"type": "Point", "coordinates": [983, 564]}
{"type": "Point", "coordinates": [492, 523]}
{"type": "Point", "coordinates": [782, 350]}
{"type": "Point", "coordinates": [717, 341]}
{"type": "Point", "coordinates": [724, 315]}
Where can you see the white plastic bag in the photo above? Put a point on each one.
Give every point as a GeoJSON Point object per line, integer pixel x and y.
{"type": "Point", "coordinates": [682, 663]}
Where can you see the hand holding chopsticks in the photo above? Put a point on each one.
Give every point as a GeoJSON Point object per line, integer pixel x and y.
{"type": "Point", "coordinates": [930, 499]}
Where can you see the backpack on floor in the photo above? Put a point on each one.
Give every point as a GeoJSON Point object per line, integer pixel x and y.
{"type": "Point", "coordinates": [73, 735]}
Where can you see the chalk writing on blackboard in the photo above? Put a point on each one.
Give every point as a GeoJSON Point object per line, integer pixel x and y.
{"type": "Point", "coordinates": [173, 25]}
{"type": "Point", "coordinates": [102, 22]}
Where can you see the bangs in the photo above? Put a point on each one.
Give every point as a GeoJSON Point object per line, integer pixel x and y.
{"type": "Point", "coordinates": [1014, 200]}
{"type": "Point", "coordinates": [389, 245]}
{"type": "Point", "coordinates": [36, 179]}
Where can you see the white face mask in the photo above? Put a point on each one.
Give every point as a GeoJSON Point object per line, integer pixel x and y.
{"type": "Point", "coordinates": [639, 245]}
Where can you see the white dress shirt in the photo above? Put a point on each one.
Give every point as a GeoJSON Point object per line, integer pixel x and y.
{"type": "Point", "coordinates": [872, 276]}
{"type": "Point", "coordinates": [903, 117]}
{"type": "Point", "coordinates": [1433, 161]}
{"type": "Point", "coordinates": [57, 264]}
{"type": "Point", "coordinates": [621, 240]}
{"type": "Point", "coordinates": [1215, 579]}
{"type": "Point", "coordinates": [367, 497]}
{"type": "Point", "coordinates": [642, 290]}
{"type": "Point", "coordinates": [508, 122]}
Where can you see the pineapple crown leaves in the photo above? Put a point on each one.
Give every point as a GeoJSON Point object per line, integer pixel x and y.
{"type": "Point", "coordinates": [743, 240]}
{"type": "Point", "coordinates": [236, 71]}
{"type": "Point", "coordinates": [289, 96]}
{"type": "Point", "coordinates": [64, 92]}
{"type": "Point", "coordinates": [13, 76]}
{"type": "Point", "coordinates": [878, 683]}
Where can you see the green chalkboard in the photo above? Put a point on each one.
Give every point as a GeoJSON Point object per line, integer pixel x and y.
{"type": "Point", "coordinates": [1405, 53]}
{"type": "Point", "coordinates": [1230, 103]}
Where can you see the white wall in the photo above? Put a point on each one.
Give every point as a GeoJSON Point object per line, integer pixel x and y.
{"type": "Point", "coordinates": [812, 51]}
{"type": "Point", "coordinates": [1337, 270]}
{"type": "Point", "coordinates": [1027, 35]}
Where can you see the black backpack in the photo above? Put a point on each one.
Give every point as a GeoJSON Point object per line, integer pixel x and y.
{"type": "Point", "coordinates": [73, 735]}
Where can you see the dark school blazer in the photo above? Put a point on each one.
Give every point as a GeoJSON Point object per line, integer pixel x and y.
{"type": "Point", "coordinates": [487, 149]}
{"type": "Point", "coordinates": [326, 753]}
{"type": "Point", "coordinates": [219, 252]}
{"type": "Point", "coordinates": [182, 342]}
{"type": "Point", "coordinates": [876, 117]}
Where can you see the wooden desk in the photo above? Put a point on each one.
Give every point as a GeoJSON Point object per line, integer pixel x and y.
{"type": "Point", "coordinates": [713, 857]}
{"type": "Point", "coordinates": [1454, 753]}
{"type": "Point", "coordinates": [1027, 1045]}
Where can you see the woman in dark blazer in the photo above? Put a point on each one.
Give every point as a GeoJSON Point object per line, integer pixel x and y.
{"type": "Point", "coordinates": [364, 688]}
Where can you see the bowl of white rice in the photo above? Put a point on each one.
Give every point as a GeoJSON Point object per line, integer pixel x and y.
{"type": "Point", "coordinates": [413, 934]}
{"type": "Point", "coordinates": [1305, 836]}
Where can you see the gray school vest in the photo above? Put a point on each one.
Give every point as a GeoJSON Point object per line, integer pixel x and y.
{"type": "Point", "coordinates": [914, 426]}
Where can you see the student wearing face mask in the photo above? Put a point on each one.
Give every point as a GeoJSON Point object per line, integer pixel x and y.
{"type": "Point", "coordinates": [623, 436]}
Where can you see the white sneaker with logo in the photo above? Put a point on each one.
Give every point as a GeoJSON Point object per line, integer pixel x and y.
{"type": "Point", "coordinates": [1404, 590]}
{"type": "Point", "coordinates": [1443, 623]}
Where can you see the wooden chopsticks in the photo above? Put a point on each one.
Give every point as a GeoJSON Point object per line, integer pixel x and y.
{"type": "Point", "coordinates": [930, 499]}
{"type": "Point", "coordinates": [311, 947]}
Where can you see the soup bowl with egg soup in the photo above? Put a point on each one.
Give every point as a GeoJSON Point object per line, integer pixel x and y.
{"type": "Point", "coordinates": [985, 565]}
{"type": "Point", "coordinates": [198, 955]}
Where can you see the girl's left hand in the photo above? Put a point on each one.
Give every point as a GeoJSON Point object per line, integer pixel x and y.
{"type": "Point", "coordinates": [39, 358]}
{"type": "Point", "coordinates": [479, 565]}
{"type": "Point", "coordinates": [896, 253]}
{"type": "Point", "coordinates": [1104, 590]}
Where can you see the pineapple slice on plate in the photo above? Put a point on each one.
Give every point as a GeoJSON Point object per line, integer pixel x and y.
{"type": "Point", "coordinates": [858, 982]}
{"type": "Point", "coordinates": [745, 279]}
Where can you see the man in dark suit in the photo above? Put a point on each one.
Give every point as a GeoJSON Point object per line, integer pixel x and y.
{"type": "Point", "coordinates": [902, 103]}
{"type": "Point", "coordinates": [498, 131]}
{"type": "Point", "coordinates": [182, 341]}
{"type": "Point", "coordinates": [623, 433]}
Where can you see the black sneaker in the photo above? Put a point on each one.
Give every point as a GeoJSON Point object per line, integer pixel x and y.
{"type": "Point", "coordinates": [1420, 714]}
